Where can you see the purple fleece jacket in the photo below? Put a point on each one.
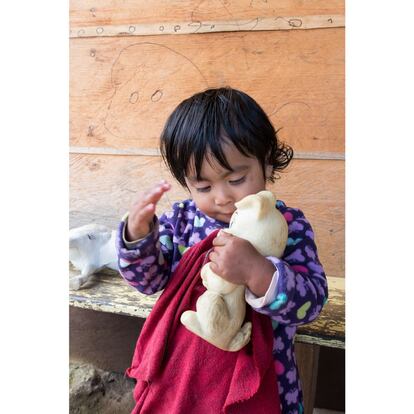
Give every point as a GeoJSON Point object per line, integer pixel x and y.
{"type": "Point", "coordinates": [295, 296]}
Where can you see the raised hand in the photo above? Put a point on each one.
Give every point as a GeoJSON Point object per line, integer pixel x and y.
{"type": "Point", "coordinates": [142, 211]}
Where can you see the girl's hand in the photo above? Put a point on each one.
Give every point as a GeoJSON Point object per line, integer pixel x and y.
{"type": "Point", "coordinates": [237, 261]}
{"type": "Point", "coordinates": [142, 211]}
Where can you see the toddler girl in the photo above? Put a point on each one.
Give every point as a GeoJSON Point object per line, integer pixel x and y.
{"type": "Point", "coordinates": [220, 145]}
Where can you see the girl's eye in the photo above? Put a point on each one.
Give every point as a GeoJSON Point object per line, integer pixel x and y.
{"type": "Point", "coordinates": [203, 189]}
{"type": "Point", "coordinates": [239, 181]}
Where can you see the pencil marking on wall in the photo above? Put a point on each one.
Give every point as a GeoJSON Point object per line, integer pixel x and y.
{"type": "Point", "coordinates": [229, 24]}
{"type": "Point", "coordinates": [195, 23]}
{"type": "Point", "coordinates": [288, 115]}
{"type": "Point", "coordinates": [156, 96]}
{"type": "Point", "coordinates": [292, 22]}
{"type": "Point", "coordinates": [90, 130]}
{"type": "Point", "coordinates": [134, 97]}
{"type": "Point", "coordinates": [223, 2]}
{"type": "Point", "coordinates": [295, 22]}
{"type": "Point", "coordinates": [142, 76]}
{"type": "Point", "coordinates": [289, 103]}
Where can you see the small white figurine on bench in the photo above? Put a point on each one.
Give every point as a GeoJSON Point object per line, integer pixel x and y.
{"type": "Point", "coordinates": [221, 309]}
{"type": "Point", "coordinates": [91, 248]}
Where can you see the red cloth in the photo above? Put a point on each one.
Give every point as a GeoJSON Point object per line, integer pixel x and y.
{"type": "Point", "coordinates": [179, 373]}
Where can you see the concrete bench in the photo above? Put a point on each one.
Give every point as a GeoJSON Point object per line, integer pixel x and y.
{"type": "Point", "coordinates": [108, 292]}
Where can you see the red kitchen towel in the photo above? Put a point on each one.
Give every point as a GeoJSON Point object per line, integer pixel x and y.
{"type": "Point", "coordinates": [179, 373]}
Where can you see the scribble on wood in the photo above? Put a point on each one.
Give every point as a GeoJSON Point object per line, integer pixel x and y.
{"type": "Point", "coordinates": [286, 67]}
{"type": "Point", "coordinates": [142, 75]}
{"type": "Point", "coordinates": [117, 12]}
{"type": "Point", "coordinates": [286, 104]}
{"type": "Point", "coordinates": [211, 26]}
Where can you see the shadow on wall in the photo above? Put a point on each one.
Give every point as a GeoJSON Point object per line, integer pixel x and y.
{"type": "Point", "coordinates": [102, 339]}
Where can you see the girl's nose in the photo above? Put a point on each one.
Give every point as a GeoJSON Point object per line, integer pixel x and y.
{"type": "Point", "coordinates": [221, 198]}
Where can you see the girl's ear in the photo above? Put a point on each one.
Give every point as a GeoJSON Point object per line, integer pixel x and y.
{"type": "Point", "coordinates": [268, 171]}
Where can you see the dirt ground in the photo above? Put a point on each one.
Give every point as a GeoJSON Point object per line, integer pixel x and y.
{"type": "Point", "coordinates": [94, 391]}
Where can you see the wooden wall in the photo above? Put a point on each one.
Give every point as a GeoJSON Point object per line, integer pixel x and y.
{"type": "Point", "coordinates": [133, 61]}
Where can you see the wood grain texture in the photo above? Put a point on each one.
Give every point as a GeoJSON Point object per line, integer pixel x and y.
{"type": "Point", "coordinates": [102, 188]}
{"type": "Point", "coordinates": [331, 322]}
{"type": "Point", "coordinates": [307, 357]}
{"type": "Point", "coordinates": [108, 292]}
{"type": "Point", "coordinates": [123, 89]}
{"type": "Point", "coordinates": [324, 21]}
{"type": "Point", "coordinates": [119, 12]}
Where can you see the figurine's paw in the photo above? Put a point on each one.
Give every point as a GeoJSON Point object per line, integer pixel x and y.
{"type": "Point", "coordinates": [188, 318]}
{"type": "Point", "coordinates": [214, 314]}
{"type": "Point", "coordinates": [246, 329]}
{"type": "Point", "coordinates": [241, 338]}
{"type": "Point", "coordinates": [75, 283]}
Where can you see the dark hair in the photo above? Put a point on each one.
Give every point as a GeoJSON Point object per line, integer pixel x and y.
{"type": "Point", "coordinates": [200, 124]}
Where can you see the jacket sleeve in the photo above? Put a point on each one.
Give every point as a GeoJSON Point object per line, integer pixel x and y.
{"type": "Point", "coordinates": [146, 264]}
{"type": "Point", "coordinates": [301, 289]}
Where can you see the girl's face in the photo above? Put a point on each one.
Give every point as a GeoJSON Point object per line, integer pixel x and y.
{"type": "Point", "coordinates": [219, 189]}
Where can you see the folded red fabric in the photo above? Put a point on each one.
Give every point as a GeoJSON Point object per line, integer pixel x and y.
{"type": "Point", "coordinates": [179, 373]}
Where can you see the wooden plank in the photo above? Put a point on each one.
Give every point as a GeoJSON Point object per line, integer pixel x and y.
{"type": "Point", "coordinates": [123, 89]}
{"type": "Point", "coordinates": [211, 26]}
{"type": "Point", "coordinates": [331, 326]}
{"type": "Point", "coordinates": [102, 188]}
{"type": "Point", "coordinates": [156, 152]}
{"type": "Point", "coordinates": [307, 356]}
{"type": "Point", "coordinates": [108, 292]}
{"type": "Point", "coordinates": [120, 12]}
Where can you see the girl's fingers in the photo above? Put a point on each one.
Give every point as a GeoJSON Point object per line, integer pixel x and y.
{"type": "Point", "coordinates": [217, 241]}
{"type": "Point", "coordinates": [211, 256]}
{"type": "Point", "coordinates": [143, 210]}
{"type": "Point", "coordinates": [221, 239]}
{"type": "Point", "coordinates": [147, 212]}
{"type": "Point", "coordinates": [155, 194]}
{"type": "Point", "coordinates": [214, 267]}
{"type": "Point", "coordinates": [139, 224]}
{"type": "Point", "coordinates": [151, 196]}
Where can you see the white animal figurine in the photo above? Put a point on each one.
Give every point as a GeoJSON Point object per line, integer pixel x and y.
{"type": "Point", "coordinates": [91, 247]}
{"type": "Point", "coordinates": [221, 309]}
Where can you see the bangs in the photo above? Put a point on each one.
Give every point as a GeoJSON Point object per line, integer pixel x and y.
{"type": "Point", "coordinates": [200, 126]}
{"type": "Point", "coordinates": [226, 125]}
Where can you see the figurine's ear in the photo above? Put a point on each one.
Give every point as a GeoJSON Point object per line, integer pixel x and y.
{"type": "Point", "coordinates": [256, 203]}
{"type": "Point", "coordinates": [245, 203]}
{"type": "Point", "coordinates": [263, 205]}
